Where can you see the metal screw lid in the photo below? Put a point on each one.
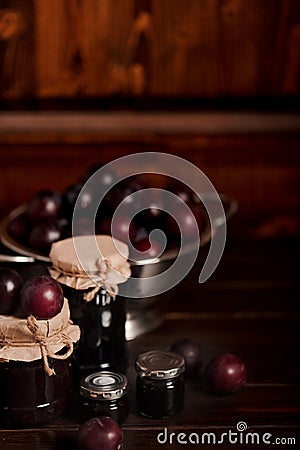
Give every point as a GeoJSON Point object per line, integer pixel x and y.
{"type": "Point", "coordinates": [104, 385]}
{"type": "Point", "coordinates": [159, 364]}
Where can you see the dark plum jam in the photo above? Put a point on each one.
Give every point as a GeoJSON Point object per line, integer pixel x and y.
{"type": "Point", "coordinates": [160, 399]}
{"type": "Point", "coordinates": [160, 384]}
{"type": "Point", "coordinates": [28, 396]}
{"type": "Point", "coordinates": [102, 344]}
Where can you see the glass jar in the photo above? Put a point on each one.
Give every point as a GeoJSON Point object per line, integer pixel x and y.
{"type": "Point", "coordinates": [105, 394]}
{"type": "Point", "coordinates": [35, 367]}
{"type": "Point", "coordinates": [29, 396]}
{"type": "Point", "coordinates": [102, 344]}
{"type": "Point", "coordinates": [160, 384]}
{"type": "Point", "coordinates": [89, 268]}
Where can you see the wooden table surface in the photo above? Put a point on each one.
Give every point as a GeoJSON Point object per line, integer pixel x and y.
{"type": "Point", "coordinates": [250, 306]}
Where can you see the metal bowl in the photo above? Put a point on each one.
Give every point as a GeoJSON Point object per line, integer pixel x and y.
{"type": "Point", "coordinates": [145, 313]}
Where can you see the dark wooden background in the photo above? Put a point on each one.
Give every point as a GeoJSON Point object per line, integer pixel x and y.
{"type": "Point", "coordinates": [220, 56]}
{"type": "Point", "coordinates": [216, 82]}
{"type": "Point", "coordinates": [187, 48]}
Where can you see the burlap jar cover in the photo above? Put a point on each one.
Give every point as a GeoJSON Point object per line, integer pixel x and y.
{"type": "Point", "coordinates": [31, 339]}
{"type": "Point", "coordinates": [85, 262]}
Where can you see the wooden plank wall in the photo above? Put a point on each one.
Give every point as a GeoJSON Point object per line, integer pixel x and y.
{"type": "Point", "coordinates": [105, 51]}
{"type": "Point", "coordinates": [185, 48]}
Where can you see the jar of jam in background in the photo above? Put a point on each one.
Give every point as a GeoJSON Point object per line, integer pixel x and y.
{"type": "Point", "coordinates": [29, 396]}
{"type": "Point", "coordinates": [102, 344]}
{"type": "Point", "coordinates": [160, 384]}
{"type": "Point", "coordinates": [89, 270]}
{"type": "Point", "coordinates": [104, 394]}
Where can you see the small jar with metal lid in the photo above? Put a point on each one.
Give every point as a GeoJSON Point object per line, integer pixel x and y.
{"type": "Point", "coordinates": [160, 384]}
{"type": "Point", "coordinates": [105, 394]}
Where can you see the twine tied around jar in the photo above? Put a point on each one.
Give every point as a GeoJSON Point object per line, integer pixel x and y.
{"type": "Point", "coordinates": [89, 263]}
{"type": "Point", "coordinates": [45, 343]}
{"type": "Point", "coordinates": [29, 339]}
{"type": "Point", "coordinates": [98, 279]}
{"type": "Point", "coordinates": [112, 288]}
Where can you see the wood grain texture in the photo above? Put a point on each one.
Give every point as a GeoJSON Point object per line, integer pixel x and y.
{"type": "Point", "coordinates": [17, 50]}
{"type": "Point", "coordinates": [136, 48]}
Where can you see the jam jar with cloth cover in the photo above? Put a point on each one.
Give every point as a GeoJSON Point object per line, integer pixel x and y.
{"type": "Point", "coordinates": [35, 368]}
{"type": "Point", "coordinates": [89, 269]}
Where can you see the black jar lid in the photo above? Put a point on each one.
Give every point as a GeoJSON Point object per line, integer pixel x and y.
{"type": "Point", "coordinates": [160, 365]}
{"type": "Point", "coordinates": [104, 385]}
